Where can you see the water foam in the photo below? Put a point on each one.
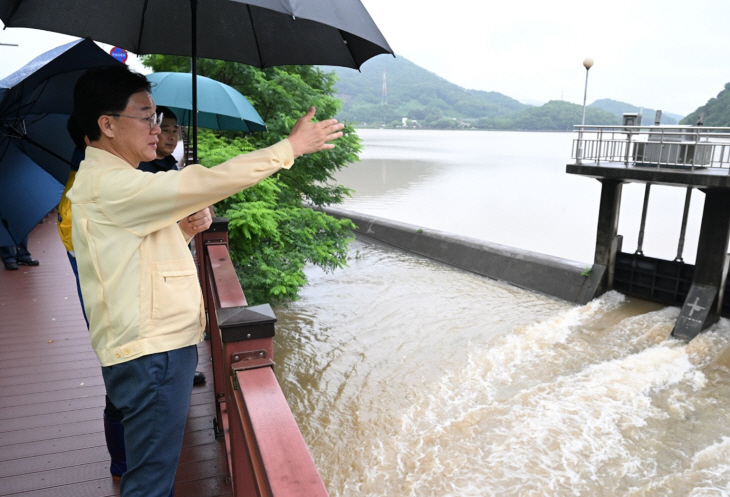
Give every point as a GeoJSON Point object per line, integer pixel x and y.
{"type": "Point", "coordinates": [543, 411]}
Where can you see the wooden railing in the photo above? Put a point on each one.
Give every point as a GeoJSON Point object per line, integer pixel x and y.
{"type": "Point", "coordinates": [267, 455]}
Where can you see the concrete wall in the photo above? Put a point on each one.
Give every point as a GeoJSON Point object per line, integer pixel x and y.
{"type": "Point", "coordinates": [538, 272]}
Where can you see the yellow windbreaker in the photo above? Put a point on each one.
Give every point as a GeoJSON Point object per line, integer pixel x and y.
{"type": "Point", "coordinates": [64, 215]}
{"type": "Point", "coordinates": [138, 278]}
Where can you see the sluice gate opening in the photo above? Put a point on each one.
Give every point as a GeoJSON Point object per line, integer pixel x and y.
{"type": "Point", "coordinates": [658, 280]}
{"type": "Point", "coordinates": [693, 157]}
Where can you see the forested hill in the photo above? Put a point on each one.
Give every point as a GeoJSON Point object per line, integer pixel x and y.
{"type": "Point", "coordinates": [426, 100]}
{"type": "Point", "coordinates": [620, 108]}
{"type": "Point", "coordinates": [716, 110]}
{"type": "Point", "coordinates": [412, 92]}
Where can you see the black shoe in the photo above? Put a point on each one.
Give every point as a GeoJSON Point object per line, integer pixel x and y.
{"type": "Point", "coordinates": [11, 266]}
{"type": "Point", "coordinates": [28, 262]}
{"type": "Point", "coordinates": [198, 378]}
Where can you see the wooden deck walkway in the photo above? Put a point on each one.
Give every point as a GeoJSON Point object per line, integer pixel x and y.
{"type": "Point", "coordinates": [52, 394]}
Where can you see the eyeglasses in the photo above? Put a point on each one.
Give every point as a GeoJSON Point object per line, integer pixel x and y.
{"type": "Point", "coordinates": [152, 121]}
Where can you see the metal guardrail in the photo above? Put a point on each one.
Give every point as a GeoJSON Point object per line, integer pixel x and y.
{"type": "Point", "coordinates": [267, 455]}
{"type": "Point", "coordinates": [685, 147]}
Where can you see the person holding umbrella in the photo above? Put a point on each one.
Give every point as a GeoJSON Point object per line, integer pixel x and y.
{"type": "Point", "coordinates": [168, 138]}
{"type": "Point", "coordinates": [138, 278]}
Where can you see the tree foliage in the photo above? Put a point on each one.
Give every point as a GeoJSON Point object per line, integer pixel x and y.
{"type": "Point", "coordinates": [555, 115]}
{"type": "Point", "coordinates": [272, 232]}
{"type": "Point", "coordinates": [716, 111]}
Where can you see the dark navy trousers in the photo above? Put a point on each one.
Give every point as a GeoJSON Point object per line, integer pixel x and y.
{"type": "Point", "coordinates": [153, 392]}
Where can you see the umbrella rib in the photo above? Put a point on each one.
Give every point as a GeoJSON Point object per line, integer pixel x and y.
{"type": "Point", "coordinates": [349, 51]}
{"type": "Point", "coordinates": [12, 12]}
{"type": "Point", "coordinates": [141, 28]}
{"type": "Point", "coordinates": [17, 109]}
{"type": "Point", "coordinates": [25, 137]}
{"type": "Point", "coordinates": [255, 36]}
{"type": "Point", "coordinates": [38, 91]}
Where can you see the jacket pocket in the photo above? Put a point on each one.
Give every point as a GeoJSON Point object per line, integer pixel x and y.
{"type": "Point", "coordinates": [175, 290]}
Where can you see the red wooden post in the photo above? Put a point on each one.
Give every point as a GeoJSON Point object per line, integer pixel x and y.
{"type": "Point", "coordinates": [275, 440]}
{"type": "Point", "coordinates": [266, 452]}
{"type": "Point", "coordinates": [216, 238]}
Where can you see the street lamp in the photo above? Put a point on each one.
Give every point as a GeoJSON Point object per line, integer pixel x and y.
{"type": "Point", "coordinates": [587, 63]}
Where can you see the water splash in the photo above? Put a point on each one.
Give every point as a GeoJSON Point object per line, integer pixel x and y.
{"type": "Point", "coordinates": [406, 382]}
{"type": "Point", "coordinates": [541, 411]}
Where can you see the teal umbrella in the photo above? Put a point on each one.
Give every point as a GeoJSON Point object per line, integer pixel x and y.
{"type": "Point", "coordinates": [219, 105]}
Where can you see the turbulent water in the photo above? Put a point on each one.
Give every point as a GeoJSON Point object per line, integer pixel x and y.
{"type": "Point", "coordinates": [411, 378]}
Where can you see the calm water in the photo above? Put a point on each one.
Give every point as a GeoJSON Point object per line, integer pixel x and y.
{"type": "Point", "coordinates": [509, 188]}
{"type": "Point", "coordinates": [410, 378]}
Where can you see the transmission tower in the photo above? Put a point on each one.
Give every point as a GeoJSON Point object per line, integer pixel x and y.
{"type": "Point", "coordinates": [384, 96]}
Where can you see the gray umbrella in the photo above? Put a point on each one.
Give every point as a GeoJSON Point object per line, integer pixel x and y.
{"type": "Point", "coordinates": [261, 33]}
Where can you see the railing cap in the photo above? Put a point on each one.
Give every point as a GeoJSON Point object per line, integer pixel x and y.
{"type": "Point", "coordinates": [246, 323]}
{"type": "Point", "coordinates": [219, 225]}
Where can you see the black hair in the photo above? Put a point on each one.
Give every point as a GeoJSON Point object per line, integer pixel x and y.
{"type": "Point", "coordinates": [166, 112]}
{"type": "Point", "coordinates": [77, 134]}
{"type": "Point", "coordinates": [104, 90]}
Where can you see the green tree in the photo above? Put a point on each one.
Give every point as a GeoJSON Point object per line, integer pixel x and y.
{"type": "Point", "coordinates": [418, 114]}
{"type": "Point", "coordinates": [273, 234]}
{"type": "Point", "coordinates": [716, 111]}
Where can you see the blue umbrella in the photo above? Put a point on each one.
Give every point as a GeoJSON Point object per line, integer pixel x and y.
{"type": "Point", "coordinates": [219, 105]}
{"type": "Point", "coordinates": [35, 148]}
{"type": "Point", "coordinates": [27, 194]}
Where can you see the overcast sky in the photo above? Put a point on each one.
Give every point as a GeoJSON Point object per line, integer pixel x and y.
{"type": "Point", "coordinates": [663, 54]}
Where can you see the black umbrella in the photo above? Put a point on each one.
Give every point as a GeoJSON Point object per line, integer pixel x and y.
{"type": "Point", "coordinates": [35, 149]}
{"type": "Point", "coordinates": [261, 33]}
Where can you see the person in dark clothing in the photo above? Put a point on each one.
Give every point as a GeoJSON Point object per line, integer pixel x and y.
{"type": "Point", "coordinates": [168, 138]}
{"type": "Point", "coordinates": [17, 255]}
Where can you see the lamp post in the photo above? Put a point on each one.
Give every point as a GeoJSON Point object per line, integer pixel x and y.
{"type": "Point", "coordinates": [587, 63]}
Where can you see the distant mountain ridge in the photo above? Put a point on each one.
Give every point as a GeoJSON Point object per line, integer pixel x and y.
{"type": "Point", "coordinates": [413, 92]}
{"type": "Point", "coordinates": [416, 97]}
{"type": "Point", "coordinates": [620, 108]}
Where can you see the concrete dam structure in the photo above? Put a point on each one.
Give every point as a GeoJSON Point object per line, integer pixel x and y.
{"type": "Point", "coordinates": [693, 158]}
{"type": "Point", "coordinates": [562, 278]}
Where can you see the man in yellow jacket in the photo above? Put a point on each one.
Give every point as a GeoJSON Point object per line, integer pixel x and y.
{"type": "Point", "coordinates": [138, 278]}
{"type": "Point", "coordinates": [200, 221]}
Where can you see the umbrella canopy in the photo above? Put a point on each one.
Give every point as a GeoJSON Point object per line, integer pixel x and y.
{"type": "Point", "coordinates": [35, 148]}
{"type": "Point", "coordinates": [261, 33]}
{"type": "Point", "coordinates": [36, 100]}
{"type": "Point", "coordinates": [219, 105]}
{"type": "Point", "coordinates": [27, 194]}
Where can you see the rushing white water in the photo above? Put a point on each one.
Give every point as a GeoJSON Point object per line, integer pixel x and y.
{"type": "Point", "coordinates": [411, 378]}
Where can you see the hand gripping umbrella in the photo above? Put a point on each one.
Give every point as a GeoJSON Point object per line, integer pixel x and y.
{"type": "Point", "coordinates": [35, 148]}
{"type": "Point", "coordinates": [261, 33]}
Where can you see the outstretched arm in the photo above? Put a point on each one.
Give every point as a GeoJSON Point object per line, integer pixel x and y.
{"type": "Point", "coordinates": [307, 137]}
